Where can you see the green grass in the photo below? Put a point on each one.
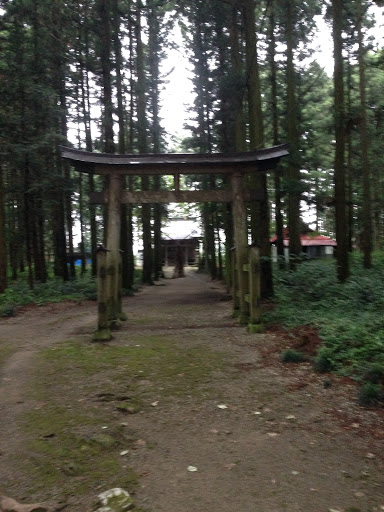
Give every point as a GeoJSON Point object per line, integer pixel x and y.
{"type": "Point", "coordinates": [349, 317]}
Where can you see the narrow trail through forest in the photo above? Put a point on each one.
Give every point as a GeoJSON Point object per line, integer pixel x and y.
{"type": "Point", "coordinates": [221, 424]}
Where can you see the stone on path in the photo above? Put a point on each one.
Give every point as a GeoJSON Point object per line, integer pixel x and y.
{"type": "Point", "coordinates": [115, 500]}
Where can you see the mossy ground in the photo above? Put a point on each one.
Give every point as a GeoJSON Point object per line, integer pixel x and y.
{"type": "Point", "coordinates": [6, 350]}
{"type": "Point", "coordinates": [84, 393]}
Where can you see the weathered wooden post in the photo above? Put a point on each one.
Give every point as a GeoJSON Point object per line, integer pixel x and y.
{"type": "Point", "coordinates": [103, 332]}
{"type": "Point", "coordinates": [234, 284]}
{"type": "Point", "coordinates": [239, 214]}
{"type": "Point", "coordinates": [254, 325]}
{"type": "Point", "coordinates": [113, 283]}
{"type": "Point", "coordinates": [119, 286]}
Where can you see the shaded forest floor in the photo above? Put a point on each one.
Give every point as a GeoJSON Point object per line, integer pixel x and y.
{"type": "Point", "coordinates": [182, 408]}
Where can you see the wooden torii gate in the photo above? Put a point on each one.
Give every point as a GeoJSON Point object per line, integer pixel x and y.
{"type": "Point", "coordinates": [236, 165]}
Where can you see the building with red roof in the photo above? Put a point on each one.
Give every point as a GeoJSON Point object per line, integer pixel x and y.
{"type": "Point", "coordinates": [313, 244]}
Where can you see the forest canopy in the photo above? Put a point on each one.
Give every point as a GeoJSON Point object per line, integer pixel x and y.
{"type": "Point", "coordinates": [89, 75]}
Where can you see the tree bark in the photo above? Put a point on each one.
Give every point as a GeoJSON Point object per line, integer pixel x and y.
{"type": "Point", "coordinates": [340, 203]}
{"type": "Point", "coordinates": [143, 148]}
{"type": "Point", "coordinates": [154, 52]}
{"type": "Point", "coordinates": [279, 222]}
{"type": "Point", "coordinates": [365, 167]}
{"type": "Point", "coordinates": [294, 181]}
{"type": "Point", "coordinates": [3, 246]}
{"type": "Point", "coordinates": [260, 209]}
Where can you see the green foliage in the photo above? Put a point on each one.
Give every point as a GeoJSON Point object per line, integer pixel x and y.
{"type": "Point", "coordinates": [7, 310]}
{"type": "Point", "coordinates": [370, 394]}
{"type": "Point", "coordinates": [323, 360]}
{"type": "Point", "coordinates": [84, 287]}
{"type": "Point", "coordinates": [375, 373]}
{"type": "Point", "coordinates": [348, 316]}
{"type": "Point", "coordinates": [292, 356]}
{"type": "Point", "coordinates": [55, 290]}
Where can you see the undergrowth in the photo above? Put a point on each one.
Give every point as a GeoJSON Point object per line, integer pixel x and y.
{"type": "Point", "coordinates": [55, 290]}
{"type": "Point", "coordinates": [349, 317]}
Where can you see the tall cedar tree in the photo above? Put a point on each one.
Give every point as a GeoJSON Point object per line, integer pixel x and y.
{"type": "Point", "coordinates": [272, 58]}
{"type": "Point", "coordinates": [126, 234]}
{"type": "Point", "coordinates": [142, 144]}
{"type": "Point", "coordinates": [259, 209]}
{"type": "Point", "coordinates": [3, 246]}
{"type": "Point", "coordinates": [294, 178]}
{"type": "Point", "coordinates": [365, 165]}
{"type": "Point", "coordinates": [340, 200]}
{"type": "Point", "coordinates": [155, 50]}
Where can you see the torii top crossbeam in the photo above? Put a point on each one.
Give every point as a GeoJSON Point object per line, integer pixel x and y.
{"type": "Point", "coordinates": [175, 163]}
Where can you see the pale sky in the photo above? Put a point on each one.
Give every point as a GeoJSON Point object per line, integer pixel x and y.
{"type": "Point", "coordinates": [177, 94]}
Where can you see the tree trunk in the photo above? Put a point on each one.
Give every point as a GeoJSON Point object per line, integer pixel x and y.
{"type": "Point", "coordinates": [294, 181]}
{"type": "Point", "coordinates": [154, 53]}
{"type": "Point", "coordinates": [340, 203]}
{"type": "Point", "coordinates": [3, 246]}
{"type": "Point", "coordinates": [86, 109]}
{"type": "Point", "coordinates": [275, 134]}
{"type": "Point", "coordinates": [367, 194]}
{"type": "Point", "coordinates": [143, 148]}
{"type": "Point", "coordinates": [259, 209]}
{"type": "Point", "coordinates": [104, 12]}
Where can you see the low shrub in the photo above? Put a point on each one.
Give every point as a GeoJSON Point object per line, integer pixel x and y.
{"type": "Point", "coordinates": [7, 310]}
{"type": "Point", "coordinates": [375, 373]}
{"type": "Point", "coordinates": [370, 394]}
{"type": "Point", "coordinates": [292, 356]}
{"type": "Point", "coordinates": [323, 360]}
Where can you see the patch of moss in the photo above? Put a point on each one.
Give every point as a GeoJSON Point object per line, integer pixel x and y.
{"type": "Point", "coordinates": [140, 320]}
{"type": "Point", "coordinates": [81, 384]}
{"type": "Point", "coordinates": [157, 359]}
{"type": "Point", "coordinates": [5, 352]}
{"type": "Point", "coordinates": [60, 457]}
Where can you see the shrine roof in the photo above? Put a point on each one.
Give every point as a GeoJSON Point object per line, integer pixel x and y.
{"type": "Point", "coordinates": [175, 163]}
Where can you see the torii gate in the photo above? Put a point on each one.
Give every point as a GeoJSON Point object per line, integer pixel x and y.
{"type": "Point", "coordinates": [236, 165]}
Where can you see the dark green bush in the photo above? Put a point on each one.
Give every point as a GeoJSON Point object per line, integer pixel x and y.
{"type": "Point", "coordinates": [323, 362]}
{"type": "Point", "coordinates": [375, 373]}
{"type": "Point", "coordinates": [370, 394]}
{"type": "Point", "coordinates": [292, 356]}
{"type": "Point", "coordinates": [7, 310]}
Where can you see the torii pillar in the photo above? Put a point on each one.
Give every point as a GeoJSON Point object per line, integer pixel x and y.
{"type": "Point", "coordinates": [239, 214]}
{"type": "Point", "coordinates": [109, 266]}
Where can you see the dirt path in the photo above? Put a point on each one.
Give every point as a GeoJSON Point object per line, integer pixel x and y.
{"type": "Point", "coordinates": [246, 434]}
